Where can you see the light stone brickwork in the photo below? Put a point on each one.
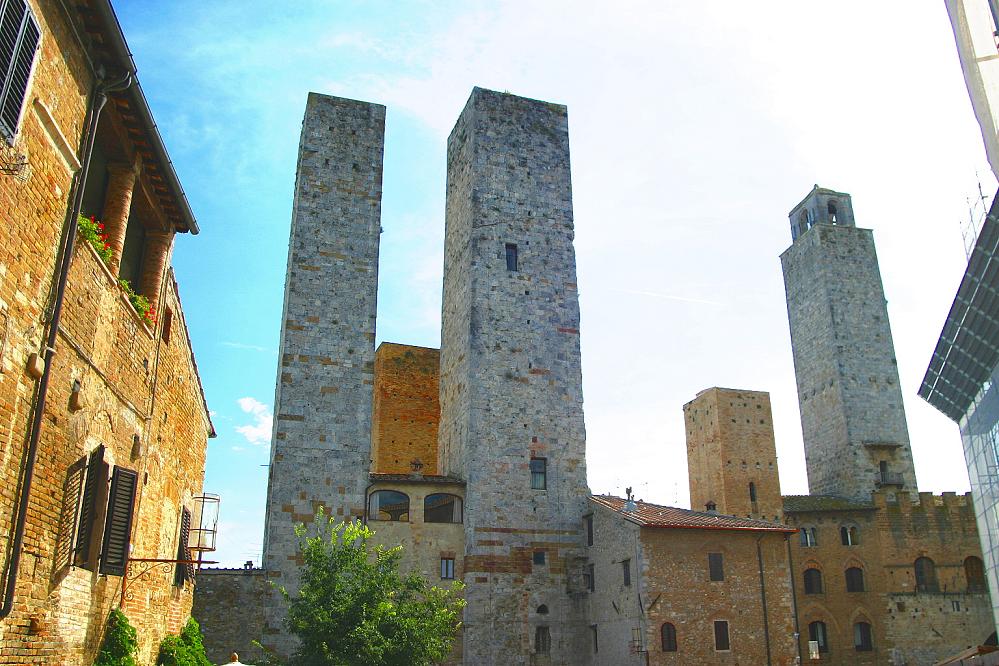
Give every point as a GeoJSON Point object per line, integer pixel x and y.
{"type": "Point", "coordinates": [511, 386]}
{"type": "Point", "coordinates": [852, 417]}
{"type": "Point", "coordinates": [730, 445]}
{"type": "Point", "coordinates": [323, 400]}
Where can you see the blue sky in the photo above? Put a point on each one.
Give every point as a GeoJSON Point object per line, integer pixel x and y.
{"type": "Point", "coordinates": [694, 128]}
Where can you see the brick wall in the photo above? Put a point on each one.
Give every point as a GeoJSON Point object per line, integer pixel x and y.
{"type": "Point", "coordinates": [406, 411]}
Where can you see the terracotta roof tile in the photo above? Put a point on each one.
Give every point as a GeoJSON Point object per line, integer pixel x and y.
{"type": "Point", "coordinates": [654, 515]}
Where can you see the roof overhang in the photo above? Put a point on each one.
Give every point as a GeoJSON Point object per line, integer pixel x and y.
{"type": "Point", "coordinates": [968, 349]}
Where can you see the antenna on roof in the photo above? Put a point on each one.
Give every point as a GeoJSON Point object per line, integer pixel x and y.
{"type": "Point", "coordinates": [630, 505]}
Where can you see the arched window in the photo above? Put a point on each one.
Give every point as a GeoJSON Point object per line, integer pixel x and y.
{"type": "Point", "coordinates": [817, 633]}
{"type": "Point", "coordinates": [813, 581]}
{"type": "Point", "coordinates": [803, 222]}
{"type": "Point", "coordinates": [668, 632]}
{"type": "Point", "coordinates": [862, 639]}
{"type": "Point", "coordinates": [854, 579]}
{"type": "Point", "coordinates": [442, 508]}
{"type": "Point", "coordinates": [974, 572]}
{"type": "Point", "coordinates": [542, 609]}
{"type": "Point", "coordinates": [752, 491]}
{"type": "Point", "coordinates": [848, 535]}
{"type": "Point", "coordinates": [926, 575]}
{"type": "Point", "coordinates": [809, 536]}
{"type": "Point", "coordinates": [832, 211]}
{"type": "Point", "coordinates": [542, 640]}
{"type": "Point", "coordinates": [388, 505]}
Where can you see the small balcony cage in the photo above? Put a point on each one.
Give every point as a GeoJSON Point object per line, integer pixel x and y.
{"type": "Point", "coordinates": [204, 523]}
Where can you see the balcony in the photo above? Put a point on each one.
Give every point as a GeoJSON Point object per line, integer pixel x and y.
{"type": "Point", "coordinates": [883, 479]}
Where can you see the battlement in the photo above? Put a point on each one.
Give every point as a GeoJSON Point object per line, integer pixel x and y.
{"type": "Point", "coordinates": [907, 502]}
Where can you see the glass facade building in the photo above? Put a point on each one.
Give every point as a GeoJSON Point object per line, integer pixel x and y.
{"type": "Point", "coordinates": [962, 381]}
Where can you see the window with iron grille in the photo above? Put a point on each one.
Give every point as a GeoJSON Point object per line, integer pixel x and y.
{"type": "Point", "coordinates": [118, 524]}
{"type": "Point", "coordinates": [716, 570]}
{"type": "Point", "coordinates": [626, 571]}
{"type": "Point", "coordinates": [19, 37]}
{"type": "Point", "coordinates": [539, 473]}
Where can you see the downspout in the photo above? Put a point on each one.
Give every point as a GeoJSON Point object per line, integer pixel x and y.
{"type": "Point", "coordinates": [794, 599]}
{"type": "Point", "coordinates": [763, 598]}
{"type": "Point", "coordinates": [24, 492]}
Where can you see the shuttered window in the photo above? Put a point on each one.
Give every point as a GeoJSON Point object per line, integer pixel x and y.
{"type": "Point", "coordinates": [183, 572]}
{"type": "Point", "coordinates": [19, 37]}
{"type": "Point", "coordinates": [93, 480]}
{"type": "Point", "coordinates": [118, 525]}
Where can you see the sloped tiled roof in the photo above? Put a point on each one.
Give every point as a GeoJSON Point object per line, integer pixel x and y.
{"type": "Point", "coordinates": [807, 503]}
{"type": "Point", "coordinates": [654, 515]}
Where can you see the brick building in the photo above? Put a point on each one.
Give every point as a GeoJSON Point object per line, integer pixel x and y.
{"type": "Point", "coordinates": [104, 421]}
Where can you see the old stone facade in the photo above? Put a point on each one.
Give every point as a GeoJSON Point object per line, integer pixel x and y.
{"type": "Point", "coordinates": [852, 417]}
{"type": "Point", "coordinates": [102, 407]}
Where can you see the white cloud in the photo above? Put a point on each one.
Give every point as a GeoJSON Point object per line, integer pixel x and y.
{"type": "Point", "coordinates": [259, 432]}
{"type": "Point", "coordinates": [243, 345]}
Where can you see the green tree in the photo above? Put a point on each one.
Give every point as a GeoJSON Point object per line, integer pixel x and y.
{"type": "Point", "coordinates": [184, 650]}
{"type": "Point", "coordinates": [120, 643]}
{"type": "Point", "coordinates": [354, 608]}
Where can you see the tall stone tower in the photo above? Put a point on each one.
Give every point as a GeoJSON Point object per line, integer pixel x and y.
{"type": "Point", "coordinates": [731, 454]}
{"type": "Point", "coordinates": [322, 406]}
{"type": "Point", "coordinates": [511, 386]}
{"type": "Point", "coordinates": [852, 418]}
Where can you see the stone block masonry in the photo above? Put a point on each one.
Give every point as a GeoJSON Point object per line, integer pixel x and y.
{"type": "Point", "coordinates": [511, 390]}
{"type": "Point", "coordinates": [853, 420]}
{"type": "Point", "coordinates": [323, 399]}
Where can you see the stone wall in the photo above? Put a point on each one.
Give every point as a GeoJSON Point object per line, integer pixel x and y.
{"type": "Point", "coordinates": [323, 400]}
{"type": "Point", "coordinates": [137, 392]}
{"type": "Point", "coordinates": [511, 388]}
{"type": "Point", "coordinates": [848, 388]}
{"type": "Point", "coordinates": [406, 411]}
{"type": "Point", "coordinates": [730, 445]}
{"type": "Point", "coordinates": [231, 607]}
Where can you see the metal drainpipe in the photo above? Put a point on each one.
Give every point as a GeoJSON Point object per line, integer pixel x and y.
{"type": "Point", "coordinates": [794, 599]}
{"type": "Point", "coordinates": [763, 597]}
{"type": "Point", "coordinates": [24, 492]}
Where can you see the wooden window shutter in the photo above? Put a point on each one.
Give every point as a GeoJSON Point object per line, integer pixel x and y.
{"type": "Point", "coordinates": [118, 526]}
{"type": "Point", "coordinates": [184, 572]}
{"type": "Point", "coordinates": [94, 475]}
{"type": "Point", "coordinates": [19, 36]}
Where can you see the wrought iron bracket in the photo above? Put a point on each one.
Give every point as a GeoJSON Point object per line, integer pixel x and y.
{"type": "Point", "coordinates": [151, 564]}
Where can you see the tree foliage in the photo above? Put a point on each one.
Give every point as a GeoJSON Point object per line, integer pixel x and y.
{"type": "Point", "coordinates": [120, 643]}
{"type": "Point", "coordinates": [354, 608]}
{"type": "Point", "coordinates": [184, 650]}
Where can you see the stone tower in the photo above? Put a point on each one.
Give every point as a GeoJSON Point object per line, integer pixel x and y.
{"type": "Point", "coordinates": [511, 388]}
{"type": "Point", "coordinates": [852, 419]}
{"type": "Point", "coordinates": [731, 454]}
{"type": "Point", "coordinates": [322, 405]}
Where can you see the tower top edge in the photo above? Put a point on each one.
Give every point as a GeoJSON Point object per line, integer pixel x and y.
{"type": "Point", "coordinates": [322, 98]}
{"type": "Point", "coordinates": [816, 190]}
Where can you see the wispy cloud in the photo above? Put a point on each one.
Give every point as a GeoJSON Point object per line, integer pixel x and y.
{"type": "Point", "coordinates": [243, 345]}
{"type": "Point", "coordinates": [259, 432]}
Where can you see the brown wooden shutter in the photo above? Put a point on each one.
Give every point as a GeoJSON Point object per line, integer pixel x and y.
{"type": "Point", "coordinates": [118, 526]}
{"type": "Point", "coordinates": [184, 572]}
{"type": "Point", "coordinates": [94, 475]}
{"type": "Point", "coordinates": [19, 37]}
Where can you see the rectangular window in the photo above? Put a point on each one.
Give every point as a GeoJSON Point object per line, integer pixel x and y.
{"type": "Point", "coordinates": [588, 522]}
{"type": "Point", "coordinates": [626, 571]}
{"type": "Point", "coordinates": [19, 35]}
{"type": "Point", "coordinates": [591, 583]}
{"type": "Point", "coordinates": [596, 643]}
{"type": "Point", "coordinates": [539, 557]}
{"type": "Point", "coordinates": [716, 570]}
{"type": "Point", "coordinates": [118, 524]}
{"type": "Point", "coordinates": [539, 473]}
{"type": "Point", "coordinates": [721, 635]}
{"type": "Point", "coordinates": [542, 640]}
{"type": "Point", "coordinates": [183, 572]}
{"type": "Point", "coordinates": [167, 326]}
{"type": "Point", "coordinates": [511, 256]}
{"type": "Point", "coordinates": [447, 568]}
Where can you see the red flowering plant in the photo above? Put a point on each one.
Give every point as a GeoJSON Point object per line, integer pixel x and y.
{"type": "Point", "coordinates": [93, 232]}
{"type": "Point", "coordinates": [141, 304]}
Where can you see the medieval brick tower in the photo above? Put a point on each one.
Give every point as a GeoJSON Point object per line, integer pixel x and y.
{"type": "Point", "coordinates": [852, 417]}
{"type": "Point", "coordinates": [511, 384]}
{"type": "Point", "coordinates": [731, 454]}
{"type": "Point", "coordinates": [322, 416]}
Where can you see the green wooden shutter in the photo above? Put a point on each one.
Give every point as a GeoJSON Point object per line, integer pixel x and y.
{"type": "Point", "coordinates": [88, 509]}
{"type": "Point", "coordinates": [118, 526]}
